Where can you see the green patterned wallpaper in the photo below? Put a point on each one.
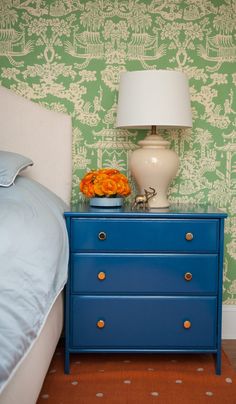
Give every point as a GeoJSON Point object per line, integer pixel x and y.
{"type": "Point", "coordinates": [67, 55]}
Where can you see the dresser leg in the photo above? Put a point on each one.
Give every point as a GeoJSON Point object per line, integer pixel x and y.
{"type": "Point", "coordinates": [67, 362]}
{"type": "Point", "coordinates": [218, 363]}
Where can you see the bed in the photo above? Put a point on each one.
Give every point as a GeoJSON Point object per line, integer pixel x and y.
{"type": "Point", "coordinates": [45, 137]}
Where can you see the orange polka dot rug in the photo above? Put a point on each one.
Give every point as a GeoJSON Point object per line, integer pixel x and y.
{"type": "Point", "coordinates": [138, 379]}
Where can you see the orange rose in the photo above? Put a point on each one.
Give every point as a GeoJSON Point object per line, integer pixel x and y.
{"type": "Point", "coordinates": [119, 177]}
{"type": "Point", "coordinates": [90, 176]}
{"type": "Point", "coordinates": [109, 187]}
{"type": "Point", "coordinates": [120, 187]}
{"type": "Point", "coordinates": [128, 190]}
{"type": "Point", "coordinates": [98, 189]}
{"type": "Point", "coordinates": [82, 184]}
{"type": "Point", "coordinates": [100, 177]}
{"type": "Point", "coordinates": [88, 190]}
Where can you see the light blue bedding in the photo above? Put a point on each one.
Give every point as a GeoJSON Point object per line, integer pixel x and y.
{"type": "Point", "coordinates": [33, 266]}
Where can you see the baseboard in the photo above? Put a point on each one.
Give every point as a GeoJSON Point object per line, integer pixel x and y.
{"type": "Point", "coordinates": [229, 321]}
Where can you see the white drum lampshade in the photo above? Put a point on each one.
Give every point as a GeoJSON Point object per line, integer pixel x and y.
{"type": "Point", "coordinates": [156, 99]}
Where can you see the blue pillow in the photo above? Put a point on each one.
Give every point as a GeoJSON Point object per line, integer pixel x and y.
{"type": "Point", "coordinates": [10, 166]}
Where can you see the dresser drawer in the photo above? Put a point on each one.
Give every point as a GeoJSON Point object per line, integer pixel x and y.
{"type": "Point", "coordinates": [144, 273]}
{"type": "Point", "coordinates": [143, 322]}
{"type": "Point", "coordinates": [144, 235]}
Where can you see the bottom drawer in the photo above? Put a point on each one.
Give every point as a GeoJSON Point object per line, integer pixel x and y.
{"type": "Point", "coordinates": [143, 322]}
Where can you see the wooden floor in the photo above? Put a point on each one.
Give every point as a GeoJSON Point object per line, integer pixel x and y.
{"type": "Point", "coordinates": [229, 346]}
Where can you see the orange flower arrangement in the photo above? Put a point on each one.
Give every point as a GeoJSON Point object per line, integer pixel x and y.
{"type": "Point", "coordinates": [105, 182]}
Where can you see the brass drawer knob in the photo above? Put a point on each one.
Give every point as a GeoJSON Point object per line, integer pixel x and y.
{"type": "Point", "coordinates": [188, 276]}
{"type": "Point", "coordinates": [189, 236]}
{"type": "Point", "coordinates": [101, 276]}
{"type": "Point", "coordinates": [102, 235]}
{"type": "Point", "coordinates": [187, 324]}
{"type": "Point", "coordinates": [100, 323]}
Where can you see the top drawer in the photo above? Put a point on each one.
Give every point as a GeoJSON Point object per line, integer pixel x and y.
{"type": "Point", "coordinates": [144, 235]}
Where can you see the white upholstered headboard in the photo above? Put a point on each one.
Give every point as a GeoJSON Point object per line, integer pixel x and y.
{"type": "Point", "coordinates": [44, 136]}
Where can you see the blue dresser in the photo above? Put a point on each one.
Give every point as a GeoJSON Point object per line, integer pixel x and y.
{"type": "Point", "coordinates": [144, 281]}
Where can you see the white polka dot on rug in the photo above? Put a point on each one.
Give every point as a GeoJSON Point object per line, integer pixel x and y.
{"type": "Point", "coordinates": [127, 381]}
{"type": "Point", "coordinates": [45, 396]}
{"type": "Point", "coordinates": [178, 381]}
{"type": "Point", "coordinates": [74, 383]}
{"type": "Point", "coordinates": [200, 369]}
{"type": "Point", "coordinates": [228, 380]}
{"type": "Point", "coordinates": [99, 394]}
{"type": "Point", "coordinates": [209, 393]}
{"type": "Point", "coordinates": [154, 394]}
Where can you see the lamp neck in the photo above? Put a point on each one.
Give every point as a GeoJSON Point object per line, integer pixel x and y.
{"type": "Point", "coordinates": [154, 130]}
{"type": "Point", "coordinates": [154, 140]}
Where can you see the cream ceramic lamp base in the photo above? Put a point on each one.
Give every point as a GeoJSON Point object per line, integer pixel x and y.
{"type": "Point", "coordinates": [154, 165]}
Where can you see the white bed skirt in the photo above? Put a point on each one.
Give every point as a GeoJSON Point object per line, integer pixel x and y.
{"type": "Point", "coordinates": [25, 385]}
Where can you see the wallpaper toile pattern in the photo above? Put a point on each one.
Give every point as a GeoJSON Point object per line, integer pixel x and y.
{"type": "Point", "coordinates": [67, 55]}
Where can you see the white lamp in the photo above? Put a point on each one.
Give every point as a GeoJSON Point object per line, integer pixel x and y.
{"type": "Point", "coordinates": [154, 98]}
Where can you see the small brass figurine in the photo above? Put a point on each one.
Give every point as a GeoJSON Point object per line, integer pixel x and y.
{"type": "Point", "coordinates": [141, 201]}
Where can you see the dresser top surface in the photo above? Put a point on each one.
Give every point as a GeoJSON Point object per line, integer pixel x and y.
{"type": "Point", "coordinates": [174, 211]}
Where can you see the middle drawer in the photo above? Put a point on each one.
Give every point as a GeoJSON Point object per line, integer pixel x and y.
{"type": "Point", "coordinates": [144, 273]}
